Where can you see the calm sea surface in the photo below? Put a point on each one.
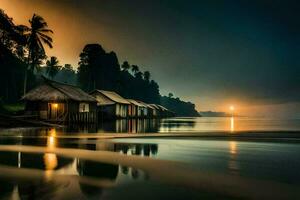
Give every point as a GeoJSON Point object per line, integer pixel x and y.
{"type": "Point", "coordinates": [200, 124]}
{"type": "Point", "coordinates": [213, 168]}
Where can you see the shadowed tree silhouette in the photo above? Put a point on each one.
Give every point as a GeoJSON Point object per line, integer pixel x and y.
{"type": "Point", "coordinates": [147, 76]}
{"type": "Point", "coordinates": [52, 67]}
{"type": "Point", "coordinates": [10, 34]}
{"type": "Point", "coordinates": [68, 67]}
{"type": "Point", "coordinates": [38, 35]}
{"type": "Point", "coordinates": [11, 66]}
{"type": "Point", "coordinates": [125, 66]}
{"type": "Point", "coordinates": [135, 69]}
{"type": "Point", "coordinates": [89, 66]}
{"type": "Point", "coordinates": [139, 75]}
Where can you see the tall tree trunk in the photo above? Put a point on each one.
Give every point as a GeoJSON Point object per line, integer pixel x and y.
{"type": "Point", "coordinates": [26, 74]}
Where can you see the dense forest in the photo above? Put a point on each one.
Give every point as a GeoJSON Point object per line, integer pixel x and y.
{"type": "Point", "coordinates": [182, 108]}
{"type": "Point", "coordinates": [23, 60]}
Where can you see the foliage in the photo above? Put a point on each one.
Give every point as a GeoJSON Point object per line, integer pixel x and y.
{"type": "Point", "coordinates": [181, 108]}
{"type": "Point", "coordinates": [98, 69]}
{"type": "Point", "coordinates": [52, 67]}
{"type": "Point", "coordinates": [101, 70]}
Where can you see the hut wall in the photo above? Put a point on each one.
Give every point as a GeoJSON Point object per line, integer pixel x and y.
{"type": "Point", "coordinates": [37, 108]}
{"type": "Point", "coordinates": [121, 110]}
{"type": "Point", "coordinates": [77, 115]}
{"type": "Point", "coordinates": [107, 111]}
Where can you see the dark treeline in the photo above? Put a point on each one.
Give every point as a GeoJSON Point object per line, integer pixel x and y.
{"type": "Point", "coordinates": [181, 108]}
{"type": "Point", "coordinates": [101, 70]}
{"type": "Point", "coordinates": [23, 59]}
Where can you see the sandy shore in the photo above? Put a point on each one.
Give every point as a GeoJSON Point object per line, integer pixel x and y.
{"type": "Point", "coordinates": [176, 173]}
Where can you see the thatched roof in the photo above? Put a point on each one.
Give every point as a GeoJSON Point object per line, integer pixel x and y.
{"type": "Point", "coordinates": [162, 108]}
{"type": "Point", "coordinates": [112, 97]}
{"type": "Point", "coordinates": [152, 107]}
{"type": "Point", "coordinates": [155, 106]}
{"type": "Point", "coordinates": [134, 102]}
{"type": "Point", "coordinates": [55, 91]}
{"type": "Point", "coordinates": [159, 107]}
{"type": "Point", "coordinates": [143, 103]}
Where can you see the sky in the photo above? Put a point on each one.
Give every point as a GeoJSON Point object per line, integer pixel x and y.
{"type": "Point", "coordinates": [213, 53]}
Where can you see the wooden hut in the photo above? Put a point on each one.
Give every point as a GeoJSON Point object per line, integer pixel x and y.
{"type": "Point", "coordinates": [135, 110]}
{"type": "Point", "coordinates": [152, 111]}
{"type": "Point", "coordinates": [156, 110]}
{"type": "Point", "coordinates": [54, 101]}
{"type": "Point", "coordinates": [143, 109]}
{"type": "Point", "coordinates": [111, 104]}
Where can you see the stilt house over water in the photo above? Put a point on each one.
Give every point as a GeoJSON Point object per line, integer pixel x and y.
{"type": "Point", "coordinates": [111, 104]}
{"type": "Point", "coordinates": [135, 109]}
{"type": "Point", "coordinates": [54, 101]}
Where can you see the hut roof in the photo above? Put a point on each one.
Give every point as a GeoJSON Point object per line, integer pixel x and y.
{"type": "Point", "coordinates": [134, 102]}
{"type": "Point", "coordinates": [151, 106]}
{"type": "Point", "coordinates": [155, 106]}
{"type": "Point", "coordinates": [143, 104]}
{"type": "Point", "coordinates": [163, 108]}
{"type": "Point", "coordinates": [111, 96]}
{"type": "Point", "coordinates": [55, 91]}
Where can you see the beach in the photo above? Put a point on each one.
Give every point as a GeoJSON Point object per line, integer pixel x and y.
{"type": "Point", "coordinates": [252, 164]}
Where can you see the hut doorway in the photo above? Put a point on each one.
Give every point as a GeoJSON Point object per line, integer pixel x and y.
{"type": "Point", "coordinates": [55, 111]}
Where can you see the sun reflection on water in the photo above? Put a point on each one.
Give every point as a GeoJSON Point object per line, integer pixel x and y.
{"type": "Point", "coordinates": [233, 164]}
{"type": "Point", "coordinates": [232, 124]}
{"type": "Point", "coordinates": [50, 159]}
{"type": "Point", "coordinates": [233, 149]}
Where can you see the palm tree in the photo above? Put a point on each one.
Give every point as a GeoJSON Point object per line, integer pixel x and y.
{"type": "Point", "coordinates": [125, 66]}
{"type": "Point", "coordinates": [139, 75]}
{"type": "Point", "coordinates": [52, 67]}
{"type": "Point", "coordinates": [38, 35]}
{"type": "Point", "coordinates": [147, 76]}
{"type": "Point", "coordinates": [134, 69]}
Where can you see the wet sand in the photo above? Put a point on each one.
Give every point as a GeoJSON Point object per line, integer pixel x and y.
{"type": "Point", "coordinates": [177, 173]}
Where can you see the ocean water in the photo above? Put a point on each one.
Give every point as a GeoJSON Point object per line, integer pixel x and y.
{"type": "Point", "coordinates": [200, 124]}
{"type": "Point", "coordinates": [231, 124]}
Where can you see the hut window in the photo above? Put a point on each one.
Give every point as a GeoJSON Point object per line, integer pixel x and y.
{"type": "Point", "coordinates": [84, 107]}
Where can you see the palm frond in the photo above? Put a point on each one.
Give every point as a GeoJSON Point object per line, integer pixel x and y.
{"type": "Point", "coordinates": [42, 35]}
{"type": "Point", "coordinates": [49, 43]}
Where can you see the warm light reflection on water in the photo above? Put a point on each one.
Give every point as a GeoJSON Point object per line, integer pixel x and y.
{"type": "Point", "coordinates": [232, 124]}
{"type": "Point", "coordinates": [50, 159]}
{"type": "Point", "coordinates": [51, 140]}
{"type": "Point", "coordinates": [233, 164]}
{"type": "Point", "coordinates": [232, 148]}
